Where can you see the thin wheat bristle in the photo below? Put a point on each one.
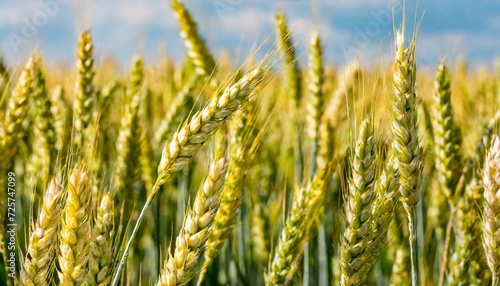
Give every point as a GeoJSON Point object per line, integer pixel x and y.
{"type": "Point", "coordinates": [178, 110]}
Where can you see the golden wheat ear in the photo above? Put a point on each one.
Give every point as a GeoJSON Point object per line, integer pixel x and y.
{"type": "Point", "coordinates": [42, 244]}
{"type": "Point", "coordinates": [74, 247]}
{"type": "Point", "coordinates": [179, 268]}
{"type": "Point", "coordinates": [491, 215]}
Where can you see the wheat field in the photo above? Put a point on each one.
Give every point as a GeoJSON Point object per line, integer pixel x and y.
{"type": "Point", "coordinates": [195, 171]}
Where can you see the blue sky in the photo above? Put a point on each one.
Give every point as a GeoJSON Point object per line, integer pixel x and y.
{"type": "Point", "coordinates": [350, 29]}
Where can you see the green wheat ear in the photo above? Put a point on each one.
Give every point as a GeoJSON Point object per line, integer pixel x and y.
{"type": "Point", "coordinates": [447, 135]}
{"type": "Point", "coordinates": [406, 145]}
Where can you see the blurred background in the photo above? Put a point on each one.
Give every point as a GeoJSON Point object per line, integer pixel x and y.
{"type": "Point", "coordinates": [351, 29]}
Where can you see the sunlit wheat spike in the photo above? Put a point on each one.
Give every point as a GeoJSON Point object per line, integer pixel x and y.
{"type": "Point", "coordinates": [12, 129]}
{"type": "Point", "coordinates": [231, 199]}
{"type": "Point", "coordinates": [128, 144]}
{"type": "Point", "coordinates": [358, 208]}
{"type": "Point", "coordinates": [17, 108]}
{"type": "Point", "coordinates": [406, 145]}
{"type": "Point", "coordinates": [74, 231]}
{"type": "Point", "coordinates": [292, 70]}
{"type": "Point", "coordinates": [491, 215]}
{"type": "Point", "coordinates": [101, 249]}
{"type": "Point", "coordinates": [84, 88]}
{"type": "Point", "coordinates": [195, 132]}
{"type": "Point", "coordinates": [447, 135]}
{"type": "Point", "coordinates": [315, 87]}
{"type": "Point", "coordinates": [179, 268]}
{"type": "Point", "coordinates": [42, 241]}
{"type": "Point", "coordinates": [294, 232]}
{"type": "Point", "coordinates": [44, 130]}
{"type": "Point", "coordinates": [197, 48]}
{"type": "Point", "coordinates": [467, 236]}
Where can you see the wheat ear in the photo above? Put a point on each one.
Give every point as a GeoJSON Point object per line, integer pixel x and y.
{"type": "Point", "coordinates": [293, 76]}
{"type": "Point", "coordinates": [192, 135]}
{"type": "Point", "coordinates": [197, 49]}
{"type": "Point", "coordinates": [491, 216]}
{"type": "Point", "coordinates": [190, 243]}
{"type": "Point", "coordinates": [101, 248]}
{"type": "Point", "coordinates": [297, 226]}
{"type": "Point", "coordinates": [43, 238]}
{"type": "Point", "coordinates": [315, 94]}
{"type": "Point", "coordinates": [17, 108]}
{"type": "Point", "coordinates": [44, 130]}
{"type": "Point", "coordinates": [467, 236]}
{"type": "Point", "coordinates": [447, 136]}
{"type": "Point", "coordinates": [84, 89]}
{"type": "Point", "coordinates": [406, 145]}
{"type": "Point", "coordinates": [226, 217]}
{"type": "Point", "coordinates": [13, 129]}
{"type": "Point", "coordinates": [127, 161]}
{"type": "Point", "coordinates": [358, 208]}
{"type": "Point", "coordinates": [75, 229]}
